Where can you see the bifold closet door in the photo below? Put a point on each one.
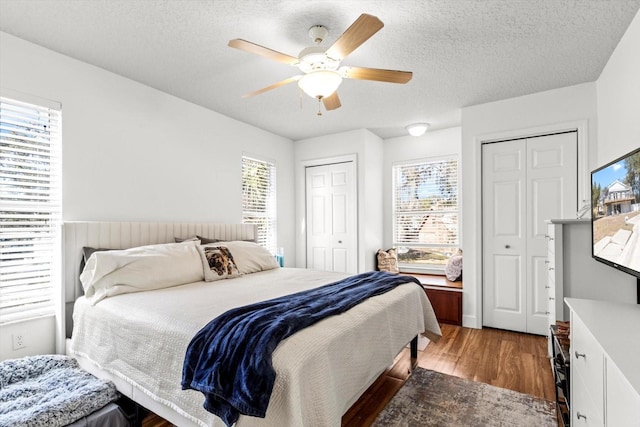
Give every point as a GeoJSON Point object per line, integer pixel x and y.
{"type": "Point", "coordinates": [524, 183]}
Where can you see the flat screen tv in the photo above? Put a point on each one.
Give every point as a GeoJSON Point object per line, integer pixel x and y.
{"type": "Point", "coordinates": [615, 214]}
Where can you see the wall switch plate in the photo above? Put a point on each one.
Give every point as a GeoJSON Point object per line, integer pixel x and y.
{"type": "Point", "coordinates": [18, 341]}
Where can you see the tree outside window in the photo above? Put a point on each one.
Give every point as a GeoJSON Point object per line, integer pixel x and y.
{"type": "Point", "coordinates": [425, 213]}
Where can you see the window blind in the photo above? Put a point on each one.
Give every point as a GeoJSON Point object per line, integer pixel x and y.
{"type": "Point", "coordinates": [30, 207]}
{"type": "Point", "coordinates": [259, 199]}
{"type": "Point", "coordinates": [425, 211]}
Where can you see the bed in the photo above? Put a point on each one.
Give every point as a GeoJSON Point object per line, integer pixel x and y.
{"type": "Point", "coordinates": [139, 339]}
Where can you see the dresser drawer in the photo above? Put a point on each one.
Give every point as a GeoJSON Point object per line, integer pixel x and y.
{"type": "Point", "coordinates": [584, 410]}
{"type": "Point", "coordinates": [622, 401]}
{"type": "Point", "coordinates": [587, 360]}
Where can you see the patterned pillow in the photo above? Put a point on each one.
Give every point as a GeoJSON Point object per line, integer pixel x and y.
{"type": "Point", "coordinates": [388, 260]}
{"type": "Point", "coordinates": [453, 269]}
{"type": "Point", "coordinates": [220, 262]}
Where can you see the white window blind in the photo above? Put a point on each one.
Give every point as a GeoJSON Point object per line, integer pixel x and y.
{"type": "Point", "coordinates": [259, 199]}
{"type": "Point", "coordinates": [425, 212]}
{"type": "Point", "coordinates": [30, 207]}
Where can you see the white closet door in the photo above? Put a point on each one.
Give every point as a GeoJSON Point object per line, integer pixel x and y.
{"type": "Point", "coordinates": [504, 235]}
{"type": "Point", "coordinates": [525, 183]}
{"type": "Point", "coordinates": [552, 192]}
{"type": "Point", "coordinates": [331, 217]}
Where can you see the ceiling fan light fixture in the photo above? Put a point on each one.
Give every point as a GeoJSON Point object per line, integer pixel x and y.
{"type": "Point", "coordinates": [417, 129]}
{"type": "Point", "coordinates": [320, 84]}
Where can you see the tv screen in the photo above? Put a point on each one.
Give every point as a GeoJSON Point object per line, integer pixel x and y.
{"type": "Point", "coordinates": [615, 213]}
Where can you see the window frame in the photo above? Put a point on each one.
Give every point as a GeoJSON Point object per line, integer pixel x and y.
{"type": "Point", "coordinates": [425, 268]}
{"type": "Point", "coordinates": [30, 206]}
{"type": "Point", "coordinates": [267, 236]}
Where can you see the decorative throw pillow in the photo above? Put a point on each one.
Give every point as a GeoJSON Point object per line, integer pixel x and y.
{"type": "Point", "coordinates": [388, 260]}
{"type": "Point", "coordinates": [453, 269]}
{"type": "Point", "coordinates": [220, 262]}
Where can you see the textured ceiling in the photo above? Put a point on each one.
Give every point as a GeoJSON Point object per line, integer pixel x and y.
{"type": "Point", "coordinates": [462, 52]}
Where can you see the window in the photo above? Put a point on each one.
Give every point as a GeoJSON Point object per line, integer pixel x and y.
{"type": "Point", "coordinates": [30, 208]}
{"type": "Point", "coordinates": [425, 213]}
{"type": "Point", "coordinates": [259, 199]}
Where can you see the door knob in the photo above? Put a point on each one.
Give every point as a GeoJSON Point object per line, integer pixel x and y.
{"type": "Point", "coordinates": [339, 241]}
{"type": "Point", "coordinates": [507, 246]}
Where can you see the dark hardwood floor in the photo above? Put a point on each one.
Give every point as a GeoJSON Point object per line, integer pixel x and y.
{"type": "Point", "coordinates": [501, 358]}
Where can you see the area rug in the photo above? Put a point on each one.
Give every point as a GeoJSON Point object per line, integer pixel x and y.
{"type": "Point", "coordinates": [430, 398]}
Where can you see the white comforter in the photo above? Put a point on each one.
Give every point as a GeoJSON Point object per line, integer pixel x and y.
{"type": "Point", "coordinates": [321, 371]}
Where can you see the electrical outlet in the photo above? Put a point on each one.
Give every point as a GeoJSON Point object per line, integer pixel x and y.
{"type": "Point", "coordinates": [18, 341]}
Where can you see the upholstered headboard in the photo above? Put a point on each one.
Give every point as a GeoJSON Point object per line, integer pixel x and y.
{"type": "Point", "coordinates": [123, 235]}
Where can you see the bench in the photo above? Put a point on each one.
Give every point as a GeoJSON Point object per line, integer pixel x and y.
{"type": "Point", "coordinates": [445, 297]}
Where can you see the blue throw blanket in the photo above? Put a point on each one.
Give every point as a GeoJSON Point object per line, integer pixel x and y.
{"type": "Point", "coordinates": [229, 360]}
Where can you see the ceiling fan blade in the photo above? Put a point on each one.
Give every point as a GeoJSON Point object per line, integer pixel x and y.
{"type": "Point", "coordinates": [377, 74]}
{"type": "Point", "coordinates": [263, 51]}
{"type": "Point", "coordinates": [273, 86]}
{"type": "Point", "coordinates": [332, 101]}
{"type": "Point", "coordinates": [359, 32]}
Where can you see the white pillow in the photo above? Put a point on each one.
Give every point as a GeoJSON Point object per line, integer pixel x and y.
{"type": "Point", "coordinates": [250, 257]}
{"type": "Point", "coordinates": [141, 269]}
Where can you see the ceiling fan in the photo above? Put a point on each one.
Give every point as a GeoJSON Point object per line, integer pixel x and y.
{"type": "Point", "coordinates": [321, 69]}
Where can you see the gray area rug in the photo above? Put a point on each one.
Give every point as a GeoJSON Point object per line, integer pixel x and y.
{"type": "Point", "coordinates": [430, 398]}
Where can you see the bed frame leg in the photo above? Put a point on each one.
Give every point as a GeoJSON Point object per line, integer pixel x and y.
{"type": "Point", "coordinates": [414, 352]}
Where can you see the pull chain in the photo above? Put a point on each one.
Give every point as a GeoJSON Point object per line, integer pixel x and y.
{"type": "Point", "coordinates": [319, 109]}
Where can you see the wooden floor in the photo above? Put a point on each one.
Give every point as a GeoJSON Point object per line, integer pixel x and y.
{"type": "Point", "coordinates": [502, 358]}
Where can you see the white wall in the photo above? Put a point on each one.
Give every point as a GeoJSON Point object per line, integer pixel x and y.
{"type": "Point", "coordinates": [38, 334]}
{"type": "Point", "coordinates": [446, 142]}
{"type": "Point", "coordinates": [131, 152]}
{"type": "Point", "coordinates": [367, 150]}
{"type": "Point", "coordinates": [618, 89]}
{"type": "Point", "coordinates": [558, 109]}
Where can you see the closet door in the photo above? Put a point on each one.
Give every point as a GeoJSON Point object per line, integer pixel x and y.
{"type": "Point", "coordinates": [552, 192]}
{"type": "Point", "coordinates": [525, 182]}
{"type": "Point", "coordinates": [504, 235]}
{"type": "Point", "coordinates": [331, 217]}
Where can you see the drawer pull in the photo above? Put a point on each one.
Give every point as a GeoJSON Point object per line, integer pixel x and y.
{"type": "Point", "coordinates": [551, 268]}
{"type": "Point", "coordinates": [582, 416]}
{"type": "Point", "coordinates": [578, 355]}
{"type": "Point", "coordinates": [547, 287]}
{"type": "Point", "coordinates": [551, 299]}
{"type": "Point", "coordinates": [547, 261]}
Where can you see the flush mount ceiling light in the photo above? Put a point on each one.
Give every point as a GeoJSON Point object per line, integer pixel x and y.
{"type": "Point", "coordinates": [417, 129]}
